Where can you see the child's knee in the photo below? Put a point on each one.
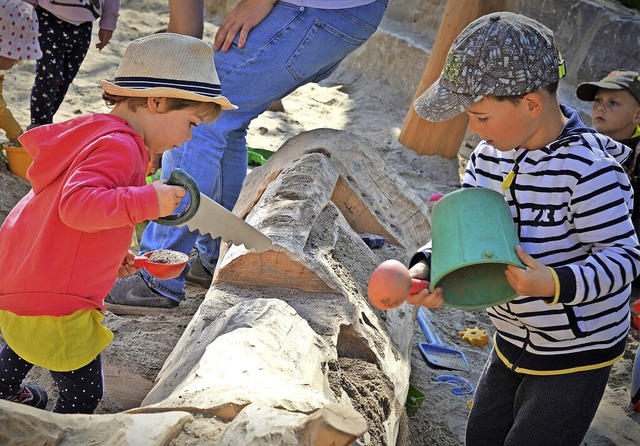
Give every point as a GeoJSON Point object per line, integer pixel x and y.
{"type": "Point", "coordinates": [85, 403]}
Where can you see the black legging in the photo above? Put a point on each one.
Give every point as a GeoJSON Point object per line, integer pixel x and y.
{"type": "Point", "coordinates": [79, 391]}
{"type": "Point", "coordinates": [64, 47]}
{"type": "Point", "coordinates": [512, 409]}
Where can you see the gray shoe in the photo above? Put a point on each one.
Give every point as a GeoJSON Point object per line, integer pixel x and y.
{"type": "Point", "coordinates": [132, 296]}
{"type": "Point", "coordinates": [31, 395]}
{"type": "Point", "coordinates": [198, 275]}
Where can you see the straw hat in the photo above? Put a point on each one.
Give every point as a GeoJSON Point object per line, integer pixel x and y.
{"type": "Point", "coordinates": [18, 31]}
{"type": "Point", "coordinates": [168, 65]}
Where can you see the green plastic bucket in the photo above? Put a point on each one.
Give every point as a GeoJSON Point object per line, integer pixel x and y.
{"type": "Point", "coordinates": [473, 239]}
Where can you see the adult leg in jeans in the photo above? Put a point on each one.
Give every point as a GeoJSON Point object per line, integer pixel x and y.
{"type": "Point", "coordinates": [291, 47]}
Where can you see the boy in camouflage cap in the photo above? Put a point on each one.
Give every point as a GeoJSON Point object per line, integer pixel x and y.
{"type": "Point", "coordinates": [616, 113]}
{"type": "Point", "coordinates": [570, 201]}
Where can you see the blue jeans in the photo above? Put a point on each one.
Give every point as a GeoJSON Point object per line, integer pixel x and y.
{"type": "Point", "coordinates": [291, 47]}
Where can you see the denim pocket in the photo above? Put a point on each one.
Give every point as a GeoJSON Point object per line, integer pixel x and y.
{"type": "Point", "coordinates": [321, 51]}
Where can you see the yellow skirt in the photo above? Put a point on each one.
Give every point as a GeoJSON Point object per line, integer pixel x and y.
{"type": "Point", "coordinates": [58, 343]}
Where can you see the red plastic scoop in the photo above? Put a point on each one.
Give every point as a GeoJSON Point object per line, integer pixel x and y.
{"type": "Point", "coordinates": [162, 263]}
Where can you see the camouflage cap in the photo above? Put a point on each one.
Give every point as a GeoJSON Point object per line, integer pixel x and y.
{"type": "Point", "coordinates": [499, 54]}
{"type": "Point", "coordinates": [616, 80]}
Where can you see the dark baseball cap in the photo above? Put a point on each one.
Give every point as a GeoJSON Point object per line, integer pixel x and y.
{"type": "Point", "coordinates": [616, 80]}
{"type": "Point", "coordinates": [499, 54]}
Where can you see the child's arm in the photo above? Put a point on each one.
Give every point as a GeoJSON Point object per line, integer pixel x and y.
{"type": "Point", "coordinates": [98, 193]}
{"type": "Point", "coordinates": [420, 269]}
{"type": "Point", "coordinates": [607, 257]}
{"type": "Point", "coordinates": [186, 17]}
{"type": "Point", "coordinates": [7, 122]}
{"type": "Point", "coordinates": [107, 22]}
{"type": "Point", "coordinates": [109, 17]}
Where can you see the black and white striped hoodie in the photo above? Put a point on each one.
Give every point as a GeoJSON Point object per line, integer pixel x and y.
{"type": "Point", "coordinates": [571, 202]}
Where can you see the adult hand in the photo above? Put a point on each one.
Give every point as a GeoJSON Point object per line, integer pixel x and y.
{"type": "Point", "coordinates": [534, 280]}
{"type": "Point", "coordinates": [169, 197]}
{"type": "Point", "coordinates": [246, 15]}
{"type": "Point", "coordinates": [104, 36]}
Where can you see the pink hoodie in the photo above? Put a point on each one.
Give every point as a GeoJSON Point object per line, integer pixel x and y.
{"type": "Point", "coordinates": [61, 246]}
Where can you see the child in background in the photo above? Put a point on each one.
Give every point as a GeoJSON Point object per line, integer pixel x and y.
{"type": "Point", "coordinates": [616, 113]}
{"type": "Point", "coordinates": [65, 36]}
{"type": "Point", "coordinates": [18, 41]}
{"type": "Point", "coordinates": [571, 202]}
{"type": "Point", "coordinates": [67, 240]}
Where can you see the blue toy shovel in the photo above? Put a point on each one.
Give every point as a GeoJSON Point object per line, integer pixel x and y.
{"type": "Point", "coordinates": [436, 354]}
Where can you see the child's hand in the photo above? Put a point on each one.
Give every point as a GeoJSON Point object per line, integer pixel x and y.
{"type": "Point", "coordinates": [127, 268]}
{"type": "Point", "coordinates": [427, 299]}
{"type": "Point", "coordinates": [155, 162]}
{"type": "Point", "coordinates": [104, 36]}
{"type": "Point", "coordinates": [423, 297]}
{"type": "Point", "coordinates": [535, 280]}
{"type": "Point", "coordinates": [169, 197]}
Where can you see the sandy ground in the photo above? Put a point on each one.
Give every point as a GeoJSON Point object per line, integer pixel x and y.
{"type": "Point", "coordinates": [368, 108]}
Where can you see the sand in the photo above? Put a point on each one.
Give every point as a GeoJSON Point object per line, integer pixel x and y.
{"type": "Point", "coordinates": [367, 107]}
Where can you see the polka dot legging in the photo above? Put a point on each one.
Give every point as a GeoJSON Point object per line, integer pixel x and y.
{"type": "Point", "coordinates": [64, 47]}
{"type": "Point", "coordinates": [79, 390]}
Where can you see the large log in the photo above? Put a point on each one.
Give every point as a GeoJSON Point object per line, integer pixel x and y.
{"type": "Point", "coordinates": [316, 176]}
{"type": "Point", "coordinates": [26, 425]}
{"type": "Point", "coordinates": [291, 328]}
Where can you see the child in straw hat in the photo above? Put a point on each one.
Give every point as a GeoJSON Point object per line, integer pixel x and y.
{"type": "Point", "coordinates": [571, 201]}
{"type": "Point", "coordinates": [67, 240]}
{"type": "Point", "coordinates": [259, 67]}
{"type": "Point", "coordinates": [18, 41]}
